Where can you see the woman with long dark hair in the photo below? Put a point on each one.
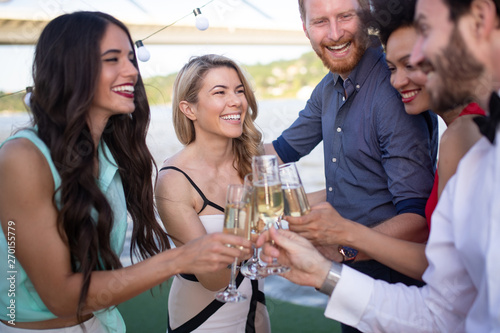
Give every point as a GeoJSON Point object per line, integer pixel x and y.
{"type": "Point", "coordinates": [69, 181]}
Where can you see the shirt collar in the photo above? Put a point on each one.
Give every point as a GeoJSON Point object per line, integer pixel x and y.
{"type": "Point", "coordinates": [107, 166]}
{"type": "Point", "coordinates": [360, 73]}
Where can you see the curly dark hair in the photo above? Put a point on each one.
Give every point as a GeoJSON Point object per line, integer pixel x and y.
{"type": "Point", "coordinates": [66, 71]}
{"type": "Point", "coordinates": [385, 17]}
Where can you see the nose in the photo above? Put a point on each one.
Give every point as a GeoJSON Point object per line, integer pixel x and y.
{"type": "Point", "coordinates": [235, 100]}
{"type": "Point", "coordinates": [399, 79]}
{"type": "Point", "coordinates": [129, 70]}
{"type": "Point", "coordinates": [336, 31]}
{"type": "Point", "coordinates": [417, 53]}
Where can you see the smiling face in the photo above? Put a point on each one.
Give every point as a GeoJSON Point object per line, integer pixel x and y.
{"type": "Point", "coordinates": [335, 33]}
{"type": "Point", "coordinates": [115, 90]}
{"type": "Point", "coordinates": [453, 73]}
{"type": "Point", "coordinates": [408, 80]}
{"type": "Point", "coordinates": [222, 105]}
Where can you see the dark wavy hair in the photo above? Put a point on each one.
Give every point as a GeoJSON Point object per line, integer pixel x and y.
{"type": "Point", "coordinates": [384, 17]}
{"type": "Point", "coordinates": [66, 71]}
{"type": "Point", "coordinates": [187, 85]}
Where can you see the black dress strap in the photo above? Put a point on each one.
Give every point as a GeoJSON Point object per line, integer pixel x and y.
{"type": "Point", "coordinates": [206, 202]}
{"type": "Point", "coordinates": [257, 296]}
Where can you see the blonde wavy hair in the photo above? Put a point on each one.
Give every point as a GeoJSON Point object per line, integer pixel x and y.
{"type": "Point", "coordinates": [188, 84]}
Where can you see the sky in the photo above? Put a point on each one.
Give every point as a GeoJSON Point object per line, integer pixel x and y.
{"type": "Point", "coordinates": [16, 60]}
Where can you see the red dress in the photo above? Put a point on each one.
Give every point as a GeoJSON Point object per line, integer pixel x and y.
{"type": "Point", "coordinates": [472, 108]}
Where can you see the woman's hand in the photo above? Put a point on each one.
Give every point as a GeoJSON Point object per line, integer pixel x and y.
{"type": "Point", "coordinates": [211, 253]}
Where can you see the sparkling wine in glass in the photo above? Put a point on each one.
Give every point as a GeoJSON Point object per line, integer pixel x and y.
{"type": "Point", "coordinates": [296, 203]}
{"type": "Point", "coordinates": [250, 269]}
{"type": "Point", "coordinates": [236, 222]}
{"type": "Point", "coordinates": [268, 200]}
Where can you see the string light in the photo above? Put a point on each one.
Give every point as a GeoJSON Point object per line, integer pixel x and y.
{"type": "Point", "coordinates": [142, 52]}
{"type": "Point", "coordinates": [201, 23]}
{"type": "Point", "coordinates": [201, 20]}
{"type": "Point", "coordinates": [27, 97]}
{"type": "Point", "coordinates": [14, 93]}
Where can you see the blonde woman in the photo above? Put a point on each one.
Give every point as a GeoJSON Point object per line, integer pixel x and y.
{"type": "Point", "coordinates": [214, 109]}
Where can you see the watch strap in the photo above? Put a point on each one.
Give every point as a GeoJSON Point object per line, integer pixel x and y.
{"type": "Point", "coordinates": [348, 253]}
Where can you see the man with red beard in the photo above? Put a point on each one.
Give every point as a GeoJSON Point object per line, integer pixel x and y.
{"type": "Point", "coordinates": [459, 45]}
{"type": "Point", "coordinates": [379, 161]}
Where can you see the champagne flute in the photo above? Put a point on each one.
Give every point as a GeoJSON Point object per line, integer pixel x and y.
{"type": "Point", "coordinates": [236, 218]}
{"type": "Point", "coordinates": [250, 269]}
{"type": "Point", "coordinates": [296, 203]}
{"type": "Point", "coordinates": [269, 200]}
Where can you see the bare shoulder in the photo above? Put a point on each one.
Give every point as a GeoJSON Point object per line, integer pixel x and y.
{"type": "Point", "coordinates": [21, 155]}
{"type": "Point", "coordinates": [171, 183]}
{"type": "Point", "coordinates": [464, 123]}
{"type": "Point", "coordinates": [455, 142]}
{"type": "Point", "coordinates": [25, 177]}
{"type": "Point", "coordinates": [461, 135]}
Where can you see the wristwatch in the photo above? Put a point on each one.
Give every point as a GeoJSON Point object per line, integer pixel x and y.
{"type": "Point", "coordinates": [331, 279]}
{"type": "Point", "coordinates": [348, 253]}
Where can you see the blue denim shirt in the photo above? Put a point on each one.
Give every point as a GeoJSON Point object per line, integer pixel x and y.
{"type": "Point", "coordinates": [379, 161]}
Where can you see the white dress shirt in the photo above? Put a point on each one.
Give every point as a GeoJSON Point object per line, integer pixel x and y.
{"type": "Point", "coordinates": [463, 278]}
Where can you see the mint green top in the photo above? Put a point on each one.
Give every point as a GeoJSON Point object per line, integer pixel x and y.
{"type": "Point", "coordinates": [28, 305]}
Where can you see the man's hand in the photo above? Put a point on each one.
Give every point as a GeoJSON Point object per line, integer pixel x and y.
{"type": "Point", "coordinates": [308, 266]}
{"type": "Point", "coordinates": [323, 226]}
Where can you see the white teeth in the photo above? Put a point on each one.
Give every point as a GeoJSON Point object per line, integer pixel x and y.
{"type": "Point", "coordinates": [231, 117]}
{"type": "Point", "coordinates": [126, 88]}
{"type": "Point", "coordinates": [410, 94]}
{"type": "Point", "coordinates": [339, 47]}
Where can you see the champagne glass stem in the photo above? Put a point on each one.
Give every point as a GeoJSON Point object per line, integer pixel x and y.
{"type": "Point", "coordinates": [255, 254]}
{"type": "Point", "coordinates": [232, 283]}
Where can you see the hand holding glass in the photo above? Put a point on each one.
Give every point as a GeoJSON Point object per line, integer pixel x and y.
{"type": "Point", "coordinates": [236, 222]}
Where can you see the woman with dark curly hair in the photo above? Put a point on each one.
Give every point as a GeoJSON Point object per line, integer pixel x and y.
{"type": "Point", "coordinates": [214, 109]}
{"type": "Point", "coordinates": [69, 181]}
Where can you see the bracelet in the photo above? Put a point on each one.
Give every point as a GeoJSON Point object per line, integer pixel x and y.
{"type": "Point", "coordinates": [331, 279]}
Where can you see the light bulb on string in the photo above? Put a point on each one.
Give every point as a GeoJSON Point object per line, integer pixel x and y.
{"type": "Point", "coordinates": [142, 52]}
{"type": "Point", "coordinates": [27, 97]}
{"type": "Point", "coordinates": [201, 21]}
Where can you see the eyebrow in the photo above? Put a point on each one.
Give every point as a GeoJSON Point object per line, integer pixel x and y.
{"type": "Point", "coordinates": [218, 86]}
{"type": "Point", "coordinates": [403, 58]}
{"type": "Point", "coordinates": [225, 87]}
{"type": "Point", "coordinates": [111, 51]}
{"type": "Point", "coordinates": [350, 11]}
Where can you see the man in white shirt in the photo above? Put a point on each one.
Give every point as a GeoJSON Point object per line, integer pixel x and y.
{"type": "Point", "coordinates": [462, 293]}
